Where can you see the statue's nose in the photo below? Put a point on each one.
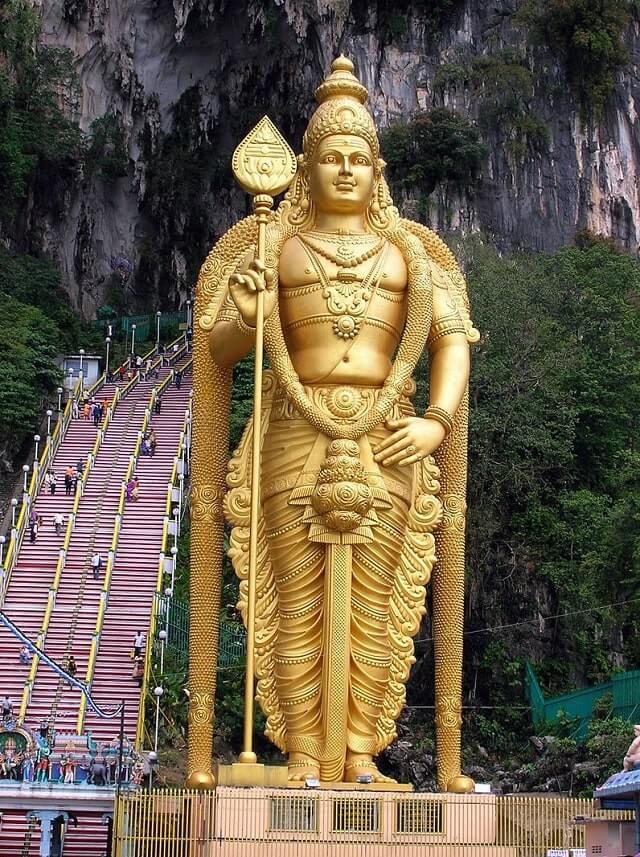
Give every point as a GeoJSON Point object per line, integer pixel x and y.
{"type": "Point", "coordinates": [345, 167]}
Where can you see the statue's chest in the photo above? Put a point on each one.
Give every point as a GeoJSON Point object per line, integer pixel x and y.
{"type": "Point", "coordinates": [342, 301]}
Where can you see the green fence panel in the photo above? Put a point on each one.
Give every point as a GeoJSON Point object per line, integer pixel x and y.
{"type": "Point", "coordinates": [624, 688]}
{"type": "Point", "coordinates": [173, 617]}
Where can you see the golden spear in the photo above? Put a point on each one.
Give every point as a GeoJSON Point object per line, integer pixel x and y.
{"type": "Point", "coordinates": [264, 165]}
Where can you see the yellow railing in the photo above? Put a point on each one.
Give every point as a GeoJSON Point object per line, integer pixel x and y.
{"type": "Point", "coordinates": [49, 450]}
{"type": "Point", "coordinates": [53, 590]}
{"type": "Point", "coordinates": [240, 823]}
{"type": "Point", "coordinates": [173, 483]}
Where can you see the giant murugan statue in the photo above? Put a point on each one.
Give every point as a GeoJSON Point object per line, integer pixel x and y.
{"type": "Point", "coordinates": [361, 500]}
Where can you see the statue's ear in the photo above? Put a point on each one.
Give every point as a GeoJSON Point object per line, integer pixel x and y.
{"type": "Point", "coordinates": [381, 164]}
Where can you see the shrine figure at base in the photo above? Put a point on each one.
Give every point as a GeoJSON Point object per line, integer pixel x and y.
{"type": "Point", "coordinates": [631, 760]}
{"type": "Point", "coordinates": [360, 497]}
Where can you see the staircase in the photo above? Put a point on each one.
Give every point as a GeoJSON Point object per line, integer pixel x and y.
{"type": "Point", "coordinates": [72, 622]}
{"type": "Point", "coordinates": [26, 597]}
{"type": "Point", "coordinates": [74, 616]}
{"type": "Point", "coordinates": [135, 572]}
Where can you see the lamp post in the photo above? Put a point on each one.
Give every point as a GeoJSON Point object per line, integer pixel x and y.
{"type": "Point", "coordinates": [174, 565]}
{"type": "Point", "coordinates": [60, 391]}
{"type": "Point", "coordinates": [158, 315]}
{"type": "Point", "coordinates": [181, 481]}
{"type": "Point", "coordinates": [49, 415]}
{"type": "Point", "coordinates": [81, 378]}
{"type": "Point", "coordinates": [2, 541]}
{"type": "Point", "coordinates": [25, 470]}
{"type": "Point", "coordinates": [107, 343]}
{"type": "Point", "coordinates": [36, 438]}
{"type": "Point", "coordinates": [14, 506]}
{"type": "Point", "coordinates": [133, 339]}
{"type": "Point", "coordinates": [176, 520]}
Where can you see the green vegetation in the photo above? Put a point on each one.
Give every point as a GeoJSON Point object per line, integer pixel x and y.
{"type": "Point", "coordinates": [438, 146]}
{"type": "Point", "coordinates": [586, 36]}
{"type": "Point", "coordinates": [36, 325]}
{"type": "Point", "coordinates": [554, 494]}
{"type": "Point", "coordinates": [504, 87]}
{"type": "Point", "coordinates": [106, 153]}
{"type": "Point", "coordinates": [34, 80]}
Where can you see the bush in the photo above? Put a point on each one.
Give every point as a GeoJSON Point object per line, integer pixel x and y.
{"type": "Point", "coordinates": [106, 151]}
{"type": "Point", "coordinates": [436, 147]}
{"type": "Point", "coordinates": [586, 36]}
{"type": "Point", "coordinates": [34, 80]}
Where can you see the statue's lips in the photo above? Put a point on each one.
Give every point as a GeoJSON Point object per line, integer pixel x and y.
{"type": "Point", "coordinates": [345, 186]}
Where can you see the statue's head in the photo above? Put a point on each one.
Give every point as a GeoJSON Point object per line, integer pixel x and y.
{"type": "Point", "coordinates": [340, 169]}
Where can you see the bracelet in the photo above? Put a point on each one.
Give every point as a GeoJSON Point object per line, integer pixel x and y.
{"type": "Point", "coordinates": [244, 327]}
{"type": "Point", "coordinates": [441, 416]}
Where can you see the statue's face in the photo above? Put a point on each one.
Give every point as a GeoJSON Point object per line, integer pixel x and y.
{"type": "Point", "coordinates": [342, 174]}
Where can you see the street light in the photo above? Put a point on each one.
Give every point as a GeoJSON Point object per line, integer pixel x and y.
{"type": "Point", "coordinates": [14, 505]}
{"type": "Point", "coordinates": [36, 438]}
{"type": "Point", "coordinates": [2, 541]}
{"type": "Point", "coordinates": [49, 415]}
{"type": "Point", "coordinates": [158, 314]}
{"type": "Point", "coordinates": [133, 339]}
{"type": "Point", "coordinates": [25, 470]}
{"type": "Point", "coordinates": [176, 516]}
{"type": "Point", "coordinates": [81, 374]}
{"type": "Point", "coordinates": [60, 391]}
{"type": "Point", "coordinates": [106, 366]}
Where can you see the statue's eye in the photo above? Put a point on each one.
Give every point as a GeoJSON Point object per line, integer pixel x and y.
{"type": "Point", "coordinates": [362, 161]}
{"type": "Point", "coordinates": [329, 159]}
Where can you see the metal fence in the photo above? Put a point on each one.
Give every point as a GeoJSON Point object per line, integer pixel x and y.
{"type": "Point", "coordinates": [146, 324]}
{"type": "Point", "coordinates": [283, 822]}
{"type": "Point", "coordinates": [173, 617]}
{"type": "Point", "coordinates": [625, 697]}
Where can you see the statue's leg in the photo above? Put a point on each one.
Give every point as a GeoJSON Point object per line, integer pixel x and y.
{"type": "Point", "coordinates": [298, 566]}
{"type": "Point", "coordinates": [374, 568]}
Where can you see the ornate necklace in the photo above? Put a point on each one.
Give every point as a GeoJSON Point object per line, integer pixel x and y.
{"type": "Point", "coordinates": [345, 255]}
{"type": "Point", "coordinates": [346, 300]}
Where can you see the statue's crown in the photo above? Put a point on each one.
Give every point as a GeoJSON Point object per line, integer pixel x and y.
{"type": "Point", "coordinates": [341, 109]}
{"type": "Point", "coordinates": [341, 82]}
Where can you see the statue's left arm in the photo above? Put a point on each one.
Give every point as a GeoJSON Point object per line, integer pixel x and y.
{"type": "Point", "coordinates": [414, 438]}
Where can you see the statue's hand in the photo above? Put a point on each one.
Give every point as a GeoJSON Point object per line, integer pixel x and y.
{"type": "Point", "coordinates": [251, 277]}
{"type": "Point", "coordinates": [413, 438]}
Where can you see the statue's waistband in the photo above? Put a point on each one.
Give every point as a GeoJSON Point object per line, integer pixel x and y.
{"type": "Point", "coordinates": [340, 401]}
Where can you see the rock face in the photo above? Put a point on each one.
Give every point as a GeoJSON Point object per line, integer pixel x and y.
{"type": "Point", "coordinates": [188, 79]}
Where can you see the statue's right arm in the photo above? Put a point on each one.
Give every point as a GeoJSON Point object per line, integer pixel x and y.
{"type": "Point", "coordinates": [228, 342]}
{"type": "Point", "coordinates": [233, 334]}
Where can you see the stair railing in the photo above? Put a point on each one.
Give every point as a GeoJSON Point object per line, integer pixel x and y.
{"type": "Point", "coordinates": [62, 556]}
{"type": "Point", "coordinates": [102, 379]}
{"type": "Point", "coordinates": [104, 595]}
{"type": "Point", "coordinates": [175, 486]}
{"type": "Point", "coordinates": [40, 465]}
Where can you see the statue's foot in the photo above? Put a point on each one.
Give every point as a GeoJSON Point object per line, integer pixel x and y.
{"type": "Point", "coordinates": [359, 766]}
{"type": "Point", "coordinates": [302, 768]}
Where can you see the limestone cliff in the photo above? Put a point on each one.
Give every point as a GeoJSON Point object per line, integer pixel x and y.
{"type": "Point", "coordinates": [188, 79]}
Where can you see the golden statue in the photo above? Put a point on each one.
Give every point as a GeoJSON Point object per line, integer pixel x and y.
{"type": "Point", "coordinates": [360, 500]}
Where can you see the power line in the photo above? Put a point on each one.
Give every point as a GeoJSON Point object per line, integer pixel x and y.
{"type": "Point", "coordinates": [492, 628]}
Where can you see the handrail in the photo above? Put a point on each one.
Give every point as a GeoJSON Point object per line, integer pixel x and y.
{"type": "Point", "coordinates": [161, 562]}
{"type": "Point", "coordinates": [53, 590]}
{"type": "Point", "coordinates": [49, 451]}
{"type": "Point", "coordinates": [104, 595]}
